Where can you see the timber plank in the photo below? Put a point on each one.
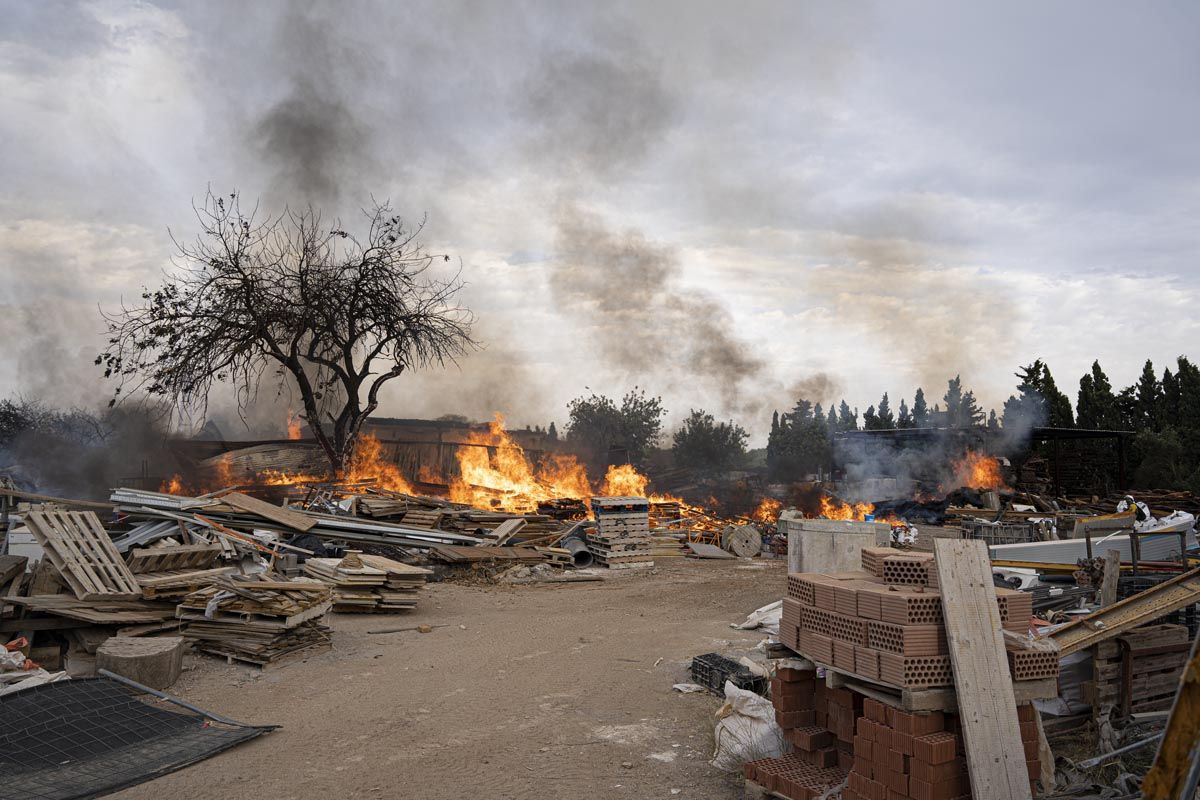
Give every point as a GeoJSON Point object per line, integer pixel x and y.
{"type": "Point", "coordinates": [987, 705]}
{"type": "Point", "coordinates": [279, 514]}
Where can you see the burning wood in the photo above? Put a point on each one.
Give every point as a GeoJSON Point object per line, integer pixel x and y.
{"type": "Point", "coordinates": [978, 471]}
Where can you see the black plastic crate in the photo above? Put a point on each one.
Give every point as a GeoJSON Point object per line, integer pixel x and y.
{"type": "Point", "coordinates": [711, 670]}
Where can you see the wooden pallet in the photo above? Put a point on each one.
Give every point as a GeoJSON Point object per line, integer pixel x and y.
{"type": "Point", "coordinates": [83, 553]}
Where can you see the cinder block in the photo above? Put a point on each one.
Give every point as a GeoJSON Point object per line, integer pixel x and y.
{"type": "Point", "coordinates": [811, 738]}
{"type": "Point", "coordinates": [920, 723]}
{"type": "Point", "coordinates": [935, 773]}
{"type": "Point", "coordinates": [898, 762]}
{"type": "Point", "coordinates": [907, 640]}
{"type": "Point", "coordinates": [866, 662]}
{"type": "Point", "coordinates": [843, 655]}
{"type": "Point", "coordinates": [792, 675]}
{"type": "Point", "coordinates": [935, 748]}
{"type": "Point", "coordinates": [942, 790]}
{"type": "Point", "coordinates": [794, 719]}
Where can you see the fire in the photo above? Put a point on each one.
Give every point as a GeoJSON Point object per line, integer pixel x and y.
{"type": "Point", "coordinates": [173, 486]}
{"type": "Point", "coordinates": [768, 510]}
{"type": "Point", "coordinates": [979, 471]}
{"type": "Point", "coordinates": [836, 509]}
{"type": "Point", "coordinates": [367, 464]}
{"type": "Point", "coordinates": [624, 481]}
{"type": "Point", "coordinates": [494, 472]}
{"type": "Point", "coordinates": [293, 425]}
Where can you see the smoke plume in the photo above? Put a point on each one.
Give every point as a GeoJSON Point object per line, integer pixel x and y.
{"type": "Point", "coordinates": [643, 318]}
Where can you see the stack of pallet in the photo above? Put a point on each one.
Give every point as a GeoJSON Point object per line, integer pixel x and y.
{"type": "Point", "coordinates": [367, 583]}
{"type": "Point", "coordinates": [257, 619]}
{"type": "Point", "coordinates": [885, 623]}
{"type": "Point", "coordinates": [621, 539]}
{"type": "Point", "coordinates": [1139, 670]}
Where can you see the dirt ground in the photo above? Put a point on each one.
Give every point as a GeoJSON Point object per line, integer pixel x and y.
{"type": "Point", "coordinates": [550, 691]}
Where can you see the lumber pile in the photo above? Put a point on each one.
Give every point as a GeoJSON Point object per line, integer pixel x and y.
{"type": "Point", "coordinates": [621, 538]}
{"type": "Point", "coordinates": [257, 619]}
{"type": "Point", "coordinates": [367, 583]}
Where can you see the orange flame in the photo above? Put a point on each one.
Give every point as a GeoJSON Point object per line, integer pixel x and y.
{"type": "Point", "coordinates": [768, 510]}
{"type": "Point", "coordinates": [494, 472]}
{"type": "Point", "coordinates": [173, 486]}
{"type": "Point", "coordinates": [293, 425]}
{"type": "Point", "coordinates": [979, 471]}
{"type": "Point", "coordinates": [624, 481]}
{"type": "Point", "coordinates": [836, 509]}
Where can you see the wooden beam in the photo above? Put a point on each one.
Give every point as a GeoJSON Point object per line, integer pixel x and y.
{"type": "Point", "coordinates": [278, 514]}
{"type": "Point", "coordinates": [987, 706]}
{"type": "Point", "coordinates": [1105, 623]}
{"type": "Point", "coordinates": [1112, 572]}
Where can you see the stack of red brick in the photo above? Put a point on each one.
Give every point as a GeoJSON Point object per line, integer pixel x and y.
{"type": "Point", "coordinates": [819, 724]}
{"type": "Point", "coordinates": [900, 755]}
{"type": "Point", "coordinates": [889, 754]}
{"type": "Point", "coordinates": [885, 622]}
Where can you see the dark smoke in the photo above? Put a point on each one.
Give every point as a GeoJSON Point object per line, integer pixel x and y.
{"type": "Point", "coordinates": [317, 146]}
{"type": "Point", "coordinates": [594, 114]}
{"type": "Point", "coordinates": [80, 453]}
{"type": "Point", "coordinates": [644, 318]}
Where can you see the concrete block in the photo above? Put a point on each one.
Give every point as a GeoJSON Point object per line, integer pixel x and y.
{"type": "Point", "coordinates": [153, 661]}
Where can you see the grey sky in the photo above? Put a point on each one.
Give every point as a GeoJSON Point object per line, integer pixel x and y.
{"type": "Point", "coordinates": [718, 203]}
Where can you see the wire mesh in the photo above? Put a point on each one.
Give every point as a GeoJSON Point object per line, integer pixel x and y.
{"type": "Point", "coordinates": [87, 738]}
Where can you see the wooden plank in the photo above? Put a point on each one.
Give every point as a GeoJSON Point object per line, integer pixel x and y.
{"type": "Point", "coordinates": [278, 514]}
{"type": "Point", "coordinates": [1112, 571]}
{"type": "Point", "coordinates": [507, 529]}
{"type": "Point", "coordinates": [987, 705]}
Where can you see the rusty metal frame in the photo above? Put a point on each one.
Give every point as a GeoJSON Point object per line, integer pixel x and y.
{"type": "Point", "coordinates": [1105, 623]}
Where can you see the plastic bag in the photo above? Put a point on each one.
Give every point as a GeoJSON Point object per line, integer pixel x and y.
{"type": "Point", "coordinates": [746, 730]}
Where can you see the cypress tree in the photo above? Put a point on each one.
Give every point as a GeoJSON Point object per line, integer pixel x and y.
{"type": "Point", "coordinates": [920, 411]}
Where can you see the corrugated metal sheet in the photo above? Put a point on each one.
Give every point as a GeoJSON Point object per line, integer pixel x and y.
{"type": "Point", "coordinates": [1154, 547]}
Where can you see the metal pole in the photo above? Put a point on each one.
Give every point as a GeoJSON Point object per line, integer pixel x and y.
{"type": "Point", "coordinates": [164, 696]}
{"type": "Point", "coordinates": [1129, 748]}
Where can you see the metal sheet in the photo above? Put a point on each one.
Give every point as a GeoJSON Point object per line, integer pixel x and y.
{"type": "Point", "coordinates": [1155, 547]}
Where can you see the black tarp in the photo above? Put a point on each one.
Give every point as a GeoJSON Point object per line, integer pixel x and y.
{"type": "Point", "coordinates": [90, 737]}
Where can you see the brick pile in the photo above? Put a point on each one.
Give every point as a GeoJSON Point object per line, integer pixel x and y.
{"type": "Point", "coordinates": [883, 753]}
{"type": "Point", "coordinates": [900, 755]}
{"type": "Point", "coordinates": [884, 623]}
{"type": "Point", "coordinates": [819, 725]}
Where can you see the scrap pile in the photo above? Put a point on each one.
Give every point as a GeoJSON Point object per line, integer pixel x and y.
{"type": "Point", "coordinates": [367, 583]}
{"type": "Point", "coordinates": [257, 620]}
{"type": "Point", "coordinates": [621, 539]}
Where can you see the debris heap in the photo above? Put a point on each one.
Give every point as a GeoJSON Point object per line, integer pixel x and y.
{"type": "Point", "coordinates": [257, 620]}
{"type": "Point", "coordinates": [366, 583]}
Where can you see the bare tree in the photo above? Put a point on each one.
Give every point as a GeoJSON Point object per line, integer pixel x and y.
{"type": "Point", "coordinates": [291, 301]}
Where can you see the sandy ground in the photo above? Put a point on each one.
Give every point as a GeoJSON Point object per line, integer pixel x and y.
{"type": "Point", "coordinates": [551, 691]}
